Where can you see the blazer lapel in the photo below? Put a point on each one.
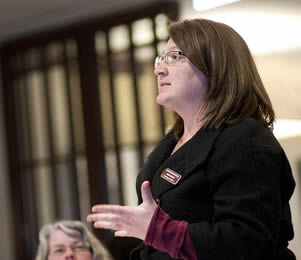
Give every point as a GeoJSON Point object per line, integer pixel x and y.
{"type": "Point", "coordinates": [185, 160]}
{"type": "Point", "coordinates": [199, 147]}
{"type": "Point", "coordinates": [175, 163]}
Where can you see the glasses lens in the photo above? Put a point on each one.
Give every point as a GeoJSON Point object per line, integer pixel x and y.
{"type": "Point", "coordinates": [157, 61]}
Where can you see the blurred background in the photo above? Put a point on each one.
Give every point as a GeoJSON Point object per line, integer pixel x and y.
{"type": "Point", "coordinates": [77, 101]}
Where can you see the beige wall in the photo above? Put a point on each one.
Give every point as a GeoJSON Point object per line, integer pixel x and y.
{"type": "Point", "coordinates": [281, 75]}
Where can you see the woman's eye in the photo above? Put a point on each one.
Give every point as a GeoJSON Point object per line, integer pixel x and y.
{"type": "Point", "coordinates": [58, 250]}
{"type": "Point", "coordinates": [173, 58]}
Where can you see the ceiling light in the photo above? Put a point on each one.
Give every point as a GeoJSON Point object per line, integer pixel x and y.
{"type": "Point", "coordinates": [254, 25]}
{"type": "Point", "coordinates": [201, 5]}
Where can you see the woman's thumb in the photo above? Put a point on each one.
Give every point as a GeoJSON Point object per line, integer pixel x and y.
{"type": "Point", "coordinates": [146, 193]}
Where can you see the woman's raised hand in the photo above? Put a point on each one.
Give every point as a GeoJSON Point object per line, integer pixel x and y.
{"type": "Point", "coordinates": [127, 221]}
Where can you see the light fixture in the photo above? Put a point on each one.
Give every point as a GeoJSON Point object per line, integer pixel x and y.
{"type": "Point", "coordinates": [287, 128]}
{"type": "Point", "coordinates": [254, 25]}
{"type": "Point", "coordinates": [202, 5]}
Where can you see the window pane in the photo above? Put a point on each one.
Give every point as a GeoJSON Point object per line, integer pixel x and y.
{"type": "Point", "coordinates": [129, 164]}
{"type": "Point", "coordinates": [119, 38]}
{"type": "Point", "coordinates": [100, 44]}
{"type": "Point", "coordinates": [126, 114]}
{"type": "Point", "coordinates": [22, 125]}
{"type": "Point", "coordinates": [45, 196]}
{"type": "Point", "coordinates": [32, 58]}
{"type": "Point", "coordinates": [55, 53]}
{"type": "Point", "coordinates": [150, 112]}
{"type": "Point", "coordinates": [83, 186]}
{"type": "Point", "coordinates": [106, 107]}
{"type": "Point", "coordinates": [37, 114]}
{"type": "Point", "coordinates": [65, 190]}
{"type": "Point", "coordinates": [112, 177]}
{"type": "Point", "coordinates": [142, 31]}
{"type": "Point", "coordinates": [161, 26]}
{"type": "Point", "coordinates": [77, 107]}
{"type": "Point", "coordinates": [161, 46]}
{"type": "Point", "coordinates": [125, 102]}
{"type": "Point", "coordinates": [59, 112]}
{"type": "Point", "coordinates": [71, 48]}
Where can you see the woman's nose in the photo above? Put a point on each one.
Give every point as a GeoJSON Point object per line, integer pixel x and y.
{"type": "Point", "coordinates": [161, 69]}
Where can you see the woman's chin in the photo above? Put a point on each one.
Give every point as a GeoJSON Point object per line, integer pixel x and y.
{"type": "Point", "coordinates": [164, 101]}
{"type": "Point", "coordinates": [161, 100]}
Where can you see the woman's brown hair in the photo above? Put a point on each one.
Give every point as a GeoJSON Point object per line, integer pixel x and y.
{"type": "Point", "coordinates": [235, 89]}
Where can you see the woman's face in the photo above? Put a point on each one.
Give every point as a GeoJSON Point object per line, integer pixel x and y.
{"type": "Point", "coordinates": [181, 86]}
{"type": "Point", "coordinates": [63, 246]}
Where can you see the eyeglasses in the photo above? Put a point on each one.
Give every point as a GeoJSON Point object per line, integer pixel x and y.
{"type": "Point", "coordinates": [170, 58]}
{"type": "Point", "coordinates": [77, 247]}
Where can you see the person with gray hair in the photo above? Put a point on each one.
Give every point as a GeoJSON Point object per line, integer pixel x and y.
{"type": "Point", "coordinates": [69, 239]}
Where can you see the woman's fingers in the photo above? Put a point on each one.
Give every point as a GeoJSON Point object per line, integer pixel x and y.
{"type": "Point", "coordinates": [106, 221]}
{"type": "Point", "coordinates": [103, 217]}
{"type": "Point", "coordinates": [105, 225]}
{"type": "Point", "coordinates": [108, 225]}
{"type": "Point", "coordinates": [107, 208]}
{"type": "Point", "coordinates": [121, 233]}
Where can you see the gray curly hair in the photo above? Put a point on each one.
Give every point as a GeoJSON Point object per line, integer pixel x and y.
{"type": "Point", "coordinates": [72, 228]}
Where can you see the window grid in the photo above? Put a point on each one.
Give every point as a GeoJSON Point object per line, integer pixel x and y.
{"type": "Point", "coordinates": [23, 167]}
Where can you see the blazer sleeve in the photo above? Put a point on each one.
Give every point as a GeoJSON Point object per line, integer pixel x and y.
{"type": "Point", "coordinates": [244, 172]}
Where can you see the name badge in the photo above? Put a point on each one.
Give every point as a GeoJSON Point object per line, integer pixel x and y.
{"type": "Point", "coordinates": [171, 176]}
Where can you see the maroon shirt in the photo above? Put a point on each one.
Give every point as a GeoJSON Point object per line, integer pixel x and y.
{"type": "Point", "coordinates": [171, 236]}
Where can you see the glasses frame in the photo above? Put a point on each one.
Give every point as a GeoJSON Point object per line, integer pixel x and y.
{"type": "Point", "coordinates": [169, 58]}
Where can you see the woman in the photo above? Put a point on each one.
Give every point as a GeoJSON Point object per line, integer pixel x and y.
{"type": "Point", "coordinates": [218, 185]}
{"type": "Point", "coordinates": [69, 239]}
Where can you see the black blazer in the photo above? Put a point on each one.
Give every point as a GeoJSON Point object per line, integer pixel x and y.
{"type": "Point", "coordinates": [235, 184]}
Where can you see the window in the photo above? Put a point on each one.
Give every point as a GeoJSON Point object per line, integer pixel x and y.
{"type": "Point", "coordinates": [81, 117]}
